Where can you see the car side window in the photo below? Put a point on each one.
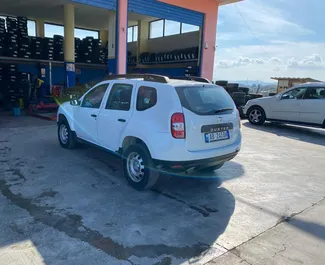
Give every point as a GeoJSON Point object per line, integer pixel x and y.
{"type": "Point", "coordinates": [120, 97]}
{"type": "Point", "coordinates": [94, 98]}
{"type": "Point", "coordinates": [147, 98]}
{"type": "Point", "coordinates": [315, 93]}
{"type": "Point", "coordinates": [297, 93]}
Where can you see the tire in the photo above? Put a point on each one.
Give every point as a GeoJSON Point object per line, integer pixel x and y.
{"type": "Point", "coordinates": [256, 115]}
{"type": "Point", "coordinates": [138, 153]}
{"type": "Point", "coordinates": [239, 98]}
{"type": "Point", "coordinates": [247, 98]}
{"type": "Point", "coordinates": [70, 141]}
{"type": "Point", "coordinates": [244, 89]}
{"type": "Point", "coordinates": [208, 169]}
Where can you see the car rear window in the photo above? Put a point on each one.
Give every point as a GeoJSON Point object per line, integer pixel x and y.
{"type": "Point", "coordinates": [205, 99]}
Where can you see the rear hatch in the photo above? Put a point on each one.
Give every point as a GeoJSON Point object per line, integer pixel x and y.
{"type": "Point", "coordinates": [211, 118]}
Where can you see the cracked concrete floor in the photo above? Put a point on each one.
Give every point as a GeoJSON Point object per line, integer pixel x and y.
{"type": "Point", "coordinates": [74, 206]}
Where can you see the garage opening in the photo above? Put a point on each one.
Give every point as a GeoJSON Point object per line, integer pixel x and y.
{"type": "Point", "coordinates": [163, 39]}
{"type": "Point", "coordinates": [32, 56]}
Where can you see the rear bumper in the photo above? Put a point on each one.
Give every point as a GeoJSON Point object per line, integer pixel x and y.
{"type": "Point", "coordinates": [185, 165]}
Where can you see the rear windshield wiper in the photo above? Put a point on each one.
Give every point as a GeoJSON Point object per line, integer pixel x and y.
{"type": "Point", "coordinates": [223, 110]}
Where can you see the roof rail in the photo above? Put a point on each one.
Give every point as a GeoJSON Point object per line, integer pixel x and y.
{"type": "Point", "coordinates": [146, 77]}
{"type": "Point", "coordinates": [192, 78]}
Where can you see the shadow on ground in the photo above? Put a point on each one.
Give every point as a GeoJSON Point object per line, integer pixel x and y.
{"type": "Point", "coordinates": [180, 219]}
{"type": "Point", "coordinates": [304, 134]}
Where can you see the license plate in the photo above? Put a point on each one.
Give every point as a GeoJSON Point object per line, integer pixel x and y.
{"type": "Point", "coordinates": [217, 136]}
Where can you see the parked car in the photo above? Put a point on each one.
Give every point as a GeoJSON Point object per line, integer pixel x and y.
{"type": "Point", "coordinates": [303, 104]}
{"type": "Point", "coordinates": [155, 123]}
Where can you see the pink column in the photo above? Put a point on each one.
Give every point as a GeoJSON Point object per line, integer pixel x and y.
{"type": "Point", "coordinates": [122, 26]}
{"type": "Point", "coordinates": [209, 42]}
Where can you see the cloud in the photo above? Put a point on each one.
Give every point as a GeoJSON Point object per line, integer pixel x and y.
{"type": "Point", "coordinates": [275, 60]}
{"type": "Point", "coordinates": [240, 61]}
{"type": "Point", "coordinates": [258, 19]}
{"type": "Point", "coordinates": [309, 62]}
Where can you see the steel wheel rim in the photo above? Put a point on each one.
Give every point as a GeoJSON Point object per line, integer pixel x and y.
{"type": "Point", "coordinates": [64, 134]}
{"type": "Point", "coordinates": [135, 167]}
{"type": "Point", "coordinates": [255, 115]}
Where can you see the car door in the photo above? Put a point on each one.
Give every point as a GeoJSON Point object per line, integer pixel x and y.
{"type": "Point", "coordinates": [85, 117]}
{"type": "Point", "coordinates": [116, 114]}
{"type": "Point", "coordinates": [313, 106]}
{"type": "Point", "coordinates": [287, 105]}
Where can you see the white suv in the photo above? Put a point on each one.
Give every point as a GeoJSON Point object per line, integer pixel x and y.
{"type": "Point", "coordinates": [303, 104]}
{"type": "Point", "coordinates": [155, 123]}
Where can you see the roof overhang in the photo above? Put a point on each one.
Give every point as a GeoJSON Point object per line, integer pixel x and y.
{"type": "Point", "coordinates": [227, 2]}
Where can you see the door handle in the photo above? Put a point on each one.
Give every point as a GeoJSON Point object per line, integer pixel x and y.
{"type": "Point", "coordinates": [121, 120]}
{"type": "Point", "coordinates": [94, 115]}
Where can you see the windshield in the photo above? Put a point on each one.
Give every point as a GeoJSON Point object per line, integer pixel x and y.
{"type": "Point", "coordinates": [205, 100]}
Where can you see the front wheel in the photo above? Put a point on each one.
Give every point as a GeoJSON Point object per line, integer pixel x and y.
{"type": "Point", "coordinates": [66, 137]}
{"type": "Point", "coordinates": [256, 116]}
{"type": "Point", "coordinates": [139, 168]}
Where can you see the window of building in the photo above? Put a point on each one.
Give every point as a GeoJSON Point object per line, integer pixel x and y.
{"type": "Point", "coordinates": [133, 34]}
{"type": "Point", "coordinates": [52, 29]}
{"type": "Point", "coordinates": [156, 29]}
{"type": "Point", "coordinates": [120, 97]}
{"type": "Point", "coordinates": [83, 33]}
{"type": "Point", "coordinates": [31, 25]}
{"type": "Point", "coordinates": [172, 28]}
{"type": "Point", "coordinates": [147, 98]}
{"type": "Point", "coordinates": [164, 28]}
{"type": "Point", "coordinates": [189, 28]}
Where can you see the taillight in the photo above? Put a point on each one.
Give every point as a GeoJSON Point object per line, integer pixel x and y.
{"type": "Point", "coordinates": [239, 120]}
{"type": "Point", "coordinates": [178, 126]}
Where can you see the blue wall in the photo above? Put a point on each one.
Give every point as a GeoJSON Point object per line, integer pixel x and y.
{"type": "Point", "coordinates": [162, 10]}
{"type": "Point", "coordinates": [107, 4]}
{"type": "Point", "coordinates": [58, 74]}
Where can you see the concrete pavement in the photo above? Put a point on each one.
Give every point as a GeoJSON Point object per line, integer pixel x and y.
{"type": "Point", "coordinates": [74, 206]}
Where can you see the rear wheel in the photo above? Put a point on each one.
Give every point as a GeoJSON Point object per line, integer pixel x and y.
{"type": "Point", "coordinates": [139, 168]}
{"type": "Point", "coordinates": [256, 116]}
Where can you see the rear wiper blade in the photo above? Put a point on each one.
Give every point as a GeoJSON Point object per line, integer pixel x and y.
{"type": "Point", "coordinates": [223, 110]}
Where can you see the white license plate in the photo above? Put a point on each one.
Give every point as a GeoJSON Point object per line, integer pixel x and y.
{"type": "Point", "coordinates": [217, 136]}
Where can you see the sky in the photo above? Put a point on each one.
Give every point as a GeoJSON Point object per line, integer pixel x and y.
{"type": "Point", "coordinates": [260, 39]}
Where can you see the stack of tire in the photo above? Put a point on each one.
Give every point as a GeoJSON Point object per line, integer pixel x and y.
{"type": "Point", "coordinates": [77, 43]}
{"type": "Point", "coordinates": [24, 89]}
{"type": "Point", "coordinates": [102, 56]}
{"type": "Point", "coordinates": [97, 44]}
{"type": "Point", "coordinates": [48, 49]}
{"type": "Point", "coordinates": [36, 46]}
{"type": "Point", "coordinates": [86, 50]}
{"type": "Point", "coordinates": [2, 86]}
{"type": "Point", "coordinates": [191, 71]}
{"type": "Point", "coordinates": [23, 40]}
{"type": "Point", "coordinates": [11, 72]}
{"type": "Point", "coordinates": [222, 83]}
{"type": "Point", "coordinates": [58, 42]}
{"type": "Point", "coordinates": [2, 35]}
{"type": "Point", "coordinates": [105, 49]}
{"type": "Point", "coordinates": [11, 41]}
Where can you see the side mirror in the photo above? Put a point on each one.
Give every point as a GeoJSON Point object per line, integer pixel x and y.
{"type": "Point", "coordinates": [74, 102]}
{"type": "Point", "coordinates": [285, 97]}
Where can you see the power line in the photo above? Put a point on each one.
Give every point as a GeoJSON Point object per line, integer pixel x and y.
{"type": "Point", "coordinates": [241, 15]}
